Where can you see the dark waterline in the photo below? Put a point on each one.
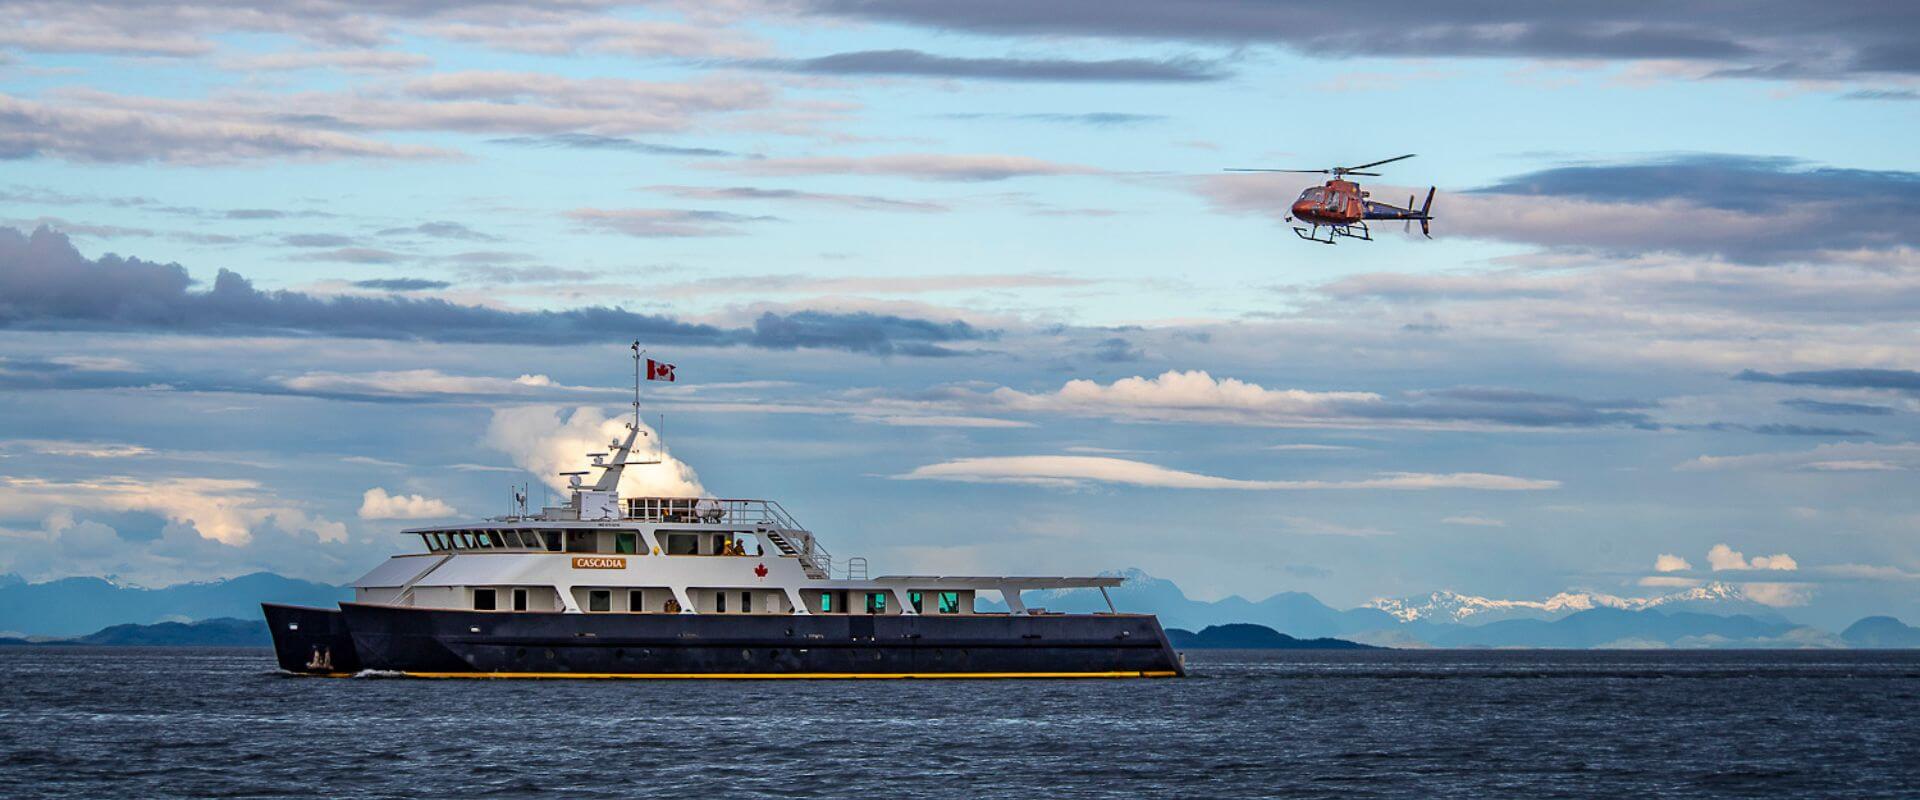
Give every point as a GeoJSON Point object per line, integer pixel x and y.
{"type": "Point", "coordinates": [138, 722]}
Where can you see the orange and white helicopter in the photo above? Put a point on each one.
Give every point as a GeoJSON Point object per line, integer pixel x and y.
{"type": "Point", "coordinates": [1343, 207]}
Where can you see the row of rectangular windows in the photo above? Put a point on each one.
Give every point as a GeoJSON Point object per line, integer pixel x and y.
{"type": "Point", "coordinates": [602, 600]}
{"type": "Point", "coordinates": [622, 542]}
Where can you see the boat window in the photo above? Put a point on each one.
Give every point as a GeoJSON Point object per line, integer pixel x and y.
{"type": "Point", "coordinates": [914, 598]}
{"type": "Point", "coordinates": [580, 541]}
{"type": "Point", "coordinates": [496, 539]}
{"type": "Point", "coordinates": [519, 599]}
{"type": "Point", "coordinates": [682, 544]}
{"type": "Point", "coordinates": [719, 602]}
{"type": "Point", "coordinates": [480, 540]}
{"type": "Point", "coordinates": [746, 602]}
{"type": "Point", "coordinates": [949, 602]}
{"type": "Point", "coordinates": [600, 600]}
{"type": "Point", "coordinates": [461, 541]}
{"type": "Point", "coordinates": [552, 539]}
{"type": "Point", "coordinates": [626, 542]}
{"type": "Point", "coordinates": [483, 600]}
{"type": "Point", "coordinates": [826, 602]}
{"type": "Point", "coordinates": [876, 602]}
{"type": "Point", "coordinates": [636, 600]}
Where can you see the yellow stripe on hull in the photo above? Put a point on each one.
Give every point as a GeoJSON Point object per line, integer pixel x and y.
{"type": "Point", "coordinates": [786, 675]}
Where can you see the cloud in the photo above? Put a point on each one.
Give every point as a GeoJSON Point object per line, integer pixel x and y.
{"type": "Point", "coordinates": [70, 449]}
{"type": "Point", "coordinates": [224, 510]}
{"type": "Point", "coordinates": [1831, 457]}
{"type": "Point", "coordinates": [413, 382]}
{"type": "Point", "coordinates": [1775, 39]}
{"type": "Point", "coordinates": [45, 284]}
{"type": "Point", "coordinates": [916, 63]}
{"type": "Point", "coordinates": [401, 284]}
{"type": "Point", "coordinates": [97, 134]}
{"type": "Point", "coordinates": [1196, 396]}
{"type": "Point", "coordinates": [1836, 409]}
{"type": "Point", "coordinates": [377, 504]}
{"type": "Point", "coordinates": [1777, 595]}
{"type": "Point", "coordinates": [364, 61]}
{"type": "Point", "coordinates": [317, 240]}
{"type": "Point", "coordinates": [554, 34]}
{"type": "Point", "coordinates": [921, 166]}
{"type": "Point", "coordinates": [1474, 520]}
{"type": "Point", "coordinates": [1721, 557]}
{"type": "Point", "coordinates": [546, 441]}
{"type": "Point", "coordinates": [863, 202]}
{"type": "Point", "coordinates": [1903, 380]}
{"type": "Point", "coordinates": [1668, 562]}
{"type": "Point", "coordinates": [442, 230]}
{"type": "Point", "coordinates": [354, 255]}
{"type": "Point", "coordinates": [1073, 471]}
{"type": "Point", "coordinates": [589, 141]}
{"type": "Point", "coordinates": [665, 223]}
{"type": "Point", "coordinates": [938, 421]}
{"type": "Point", "coordinates": [1117, 350]}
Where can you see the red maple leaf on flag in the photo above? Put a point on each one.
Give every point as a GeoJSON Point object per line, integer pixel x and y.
{"type": "Point", "coordinates": [659, 371]}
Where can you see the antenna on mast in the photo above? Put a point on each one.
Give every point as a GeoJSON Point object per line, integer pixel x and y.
{"type": "Point", "coordinates": [636, 383]}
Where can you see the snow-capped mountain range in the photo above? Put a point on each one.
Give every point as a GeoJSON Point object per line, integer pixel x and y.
{"type": "Point", "coordinates": [1450, 606]}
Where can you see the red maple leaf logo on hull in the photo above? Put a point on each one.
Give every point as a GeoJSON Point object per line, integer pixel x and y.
{"type": "Point", "coordinates": [760, 571]}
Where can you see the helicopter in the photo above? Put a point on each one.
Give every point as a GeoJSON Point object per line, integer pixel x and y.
{"type": "Point", "coordinates": [1343, 207]}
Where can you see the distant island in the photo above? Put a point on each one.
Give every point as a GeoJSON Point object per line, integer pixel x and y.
{"type": "Point", "coordinates": [221, 632]}
{"type": "Point", "coordinates": [1247, 636]}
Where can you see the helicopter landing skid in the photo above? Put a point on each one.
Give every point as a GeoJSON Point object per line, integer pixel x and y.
{"type": "Point", "coordinates": [1357, 230]}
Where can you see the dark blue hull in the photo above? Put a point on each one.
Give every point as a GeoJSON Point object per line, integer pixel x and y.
{"type": "Point", "coordinates": [453, 643]}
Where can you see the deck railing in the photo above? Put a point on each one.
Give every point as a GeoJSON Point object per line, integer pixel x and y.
{"type": "Point", "coordinates": [711, 511]}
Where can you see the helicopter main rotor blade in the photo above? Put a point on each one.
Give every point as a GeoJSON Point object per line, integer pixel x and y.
{"type": "Point", "coordinates": [1378, 163]}
{"type": "Point", "coordinates": [1314, 171]}
{"type": "Point", "coordinates": [1351, 172]}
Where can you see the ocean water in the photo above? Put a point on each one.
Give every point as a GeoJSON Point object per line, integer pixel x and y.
{"type": "Point", "coordinates": [126, 722]}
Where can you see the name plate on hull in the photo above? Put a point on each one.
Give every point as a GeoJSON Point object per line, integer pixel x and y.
{"type": "Point", "coordinates": [599, 562]}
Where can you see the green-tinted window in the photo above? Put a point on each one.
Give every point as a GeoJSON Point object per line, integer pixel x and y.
{"type": "Point", "coordinates": [914, 598]}
{"type": "Point", "coordinates": [826, 602]}
{"type": "Point", "coordinates": [949, 602]}
{"type": "Point", "coordinates": [876, 602]}
{"type": "Point", "coordinates": [626, 542]}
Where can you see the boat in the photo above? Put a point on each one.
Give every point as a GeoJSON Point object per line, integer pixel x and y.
{"type": "Point", "coordinates": [605, 586]}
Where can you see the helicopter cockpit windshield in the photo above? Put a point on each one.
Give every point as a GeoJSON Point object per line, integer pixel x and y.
{"type": "Point", "coordinates": [1327, 200]}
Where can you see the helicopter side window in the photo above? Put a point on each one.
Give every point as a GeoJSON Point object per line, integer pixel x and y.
{"type": "Point", "coordinates": [1313, 195]}
{"type": "Point", "coordinates": [1335, 201]}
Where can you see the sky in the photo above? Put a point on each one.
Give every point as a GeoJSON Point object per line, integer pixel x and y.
{"type": "Point", "coordinates": [966, 288]}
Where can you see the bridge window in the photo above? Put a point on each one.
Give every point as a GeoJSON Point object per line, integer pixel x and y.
{"type": "Point", "coordinates": [483, 600]}
{"type": "Point", "coordinates": [626, 542]}
{"type": "Point", "coordinates": [580, 541]}
{"type": "Point", "coordinates": [949, 602]}
{"type": "Point", "coordinates": [682, 544]}
{"type": "Point", "coordinates": [552, 540]}
{"type": "Point", "coordinates": [876, 602]}
{"type": "Point", "coordinates": [496, 539]}
{"type": "Point", "coordinates": [600, 600]}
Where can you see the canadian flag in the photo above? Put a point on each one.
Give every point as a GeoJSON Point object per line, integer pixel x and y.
{"type": "Point", "coordinates": [659, 371]}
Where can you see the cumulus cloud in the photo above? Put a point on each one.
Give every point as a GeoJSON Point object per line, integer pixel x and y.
{"type": "Point", "coordinates": [1721, 557]}
{"type": "Point", "coordinates": [1073, 471]}
{"type": "Point", "coordinates": [920, 166]}
{"type": "Point", "coordinates": [377, 504]}
{"type": "Point", "coordinates": [916, 63]}
{"type": "Point", "coordinates": [1668, 562]}
{"type": "Point", "coordinates": [46, 284]}
{"type": "Point", "coordinates": [547, 440]}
